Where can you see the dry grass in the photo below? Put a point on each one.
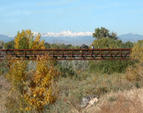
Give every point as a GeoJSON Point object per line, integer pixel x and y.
{"type": "Point", "coordinates": [4, 90]}
{"type": "Point", "coordinates": [71, 91]}
{"type": "Point", "coordinates": [123, 105]}
{"type": "Point", "coordinates": [125, 102]}
{"type": "Point", "coordinates": [135, 73]}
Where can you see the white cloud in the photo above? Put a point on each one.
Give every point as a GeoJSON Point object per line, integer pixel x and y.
{"type": "Point", "coordinates": [65, 34]}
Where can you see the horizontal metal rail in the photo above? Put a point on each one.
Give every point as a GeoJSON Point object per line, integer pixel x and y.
{"type": "Point", "coordinates": [66, 54]}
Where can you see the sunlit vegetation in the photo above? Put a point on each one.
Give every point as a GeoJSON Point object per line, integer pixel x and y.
{"type": "Point", "coordinates": [41, 88]}
{"type": "Point", "coordinates": [105, 39]}
{"type": "Point", "coordinates": [48, 86]}
{"type": "Point", "coordinates": [34, 88]}
{"type": "Point", "coordinates": [137, 51]}
{"type": "Point", "coordinates": [104, 33]}
{"type": "Point", "coordinates": [135, 73]}
{"type": "Point", "coordinates": [26, 40]}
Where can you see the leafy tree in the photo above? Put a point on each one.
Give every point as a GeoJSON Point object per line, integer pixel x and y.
{"type": "Point", "coordinates": [37, 44]}
{"type": "Point", "coordinates": [107, 43]}
{"type": "Point", "coordinates": [55, 46]}
{"type": "Point", "coordinates": [47, 45]}
{"type": "Point", "coordinates": [104, 33]}
{"type": "Point", "coordinates": [26, 40]}
{"type": "Point", "coordinates": [128, 44]}
{"type": "Point", "coordinates": [23, 43]}
{"type": "Point", "coordinates": [9, 45]}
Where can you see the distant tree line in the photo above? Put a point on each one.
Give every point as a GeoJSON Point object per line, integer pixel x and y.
{"type": "Point", "coordinates": [10, 45]}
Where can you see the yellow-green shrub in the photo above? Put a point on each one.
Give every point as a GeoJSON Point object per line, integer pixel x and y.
{"type": "Point", "coordinates": [42, 89]}
{"type": "Point", "coordinates": [135, 72]}
{"type": "Point", "coordinates": [17, 73]}
{"type": "Point", "coordinates": [137, 51]}
{"type": "Point", "coordinates": [34, 90]}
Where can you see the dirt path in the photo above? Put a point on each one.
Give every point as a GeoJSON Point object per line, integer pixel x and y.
{"type": "Point", "coordinates": [4, 90]}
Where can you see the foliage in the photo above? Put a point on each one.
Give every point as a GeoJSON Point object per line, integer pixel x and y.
{"type": "Point", "coordinates": [110, 66]}
{"type": "Point", "coordinates": [135, 73]}
{"type": "Point", "coordinates": [3, 67]}
{"type": "Point", "coordinates": [35, 89]}
{"type": "Point", "coordinates": [37, 44]}
{"type": "Point", "coordinates": [23, 40]}
{"type": "Point", "coordinates": [104, 33]}
{"type": "Point", "coordinates": [107, 43]}
{"type": "Point", "coordinates": [137, 51]}
{"type": "Point", "coordinates": [60, 46]}
{"type": "Point", "coordinates": [9, 45]}
{"type": "Point", "coordinates": [26, 40]}
{"type": "Point", "coordinates": [41, 90]}
{"type": "Point", "coordinates": [66, 69]}
{"type": "Point", "coordinates": [17, 74]}
{"type": "Point", "coordinates": [3, 63]}
{"type": "Point", "coordinates": [73, 68]}
{"type": "Point", "coordinates": [128, 44]}
{"type": "Point", "coordinates": [47, 45]}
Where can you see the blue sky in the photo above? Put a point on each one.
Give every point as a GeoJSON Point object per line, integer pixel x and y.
{"type": "Point", "coordinates": [120, 16]}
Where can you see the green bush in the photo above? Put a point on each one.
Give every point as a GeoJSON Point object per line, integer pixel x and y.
{"type": "Point", "coordinates": [109, 66]}
{"type": "Point", "coordinates": [66, 69]}
{"type": "Point", "coordinates": [114, 65]}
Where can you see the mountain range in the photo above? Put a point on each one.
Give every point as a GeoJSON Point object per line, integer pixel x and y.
{"type": "Point", "coordinates": [79, 40]}
{"type": "Point", "coordinates": [5, 38]}
{"type": "Point", "coordinates": [131, 37]}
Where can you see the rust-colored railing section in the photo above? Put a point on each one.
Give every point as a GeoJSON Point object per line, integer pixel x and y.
{"type": "Point", "coordinates": [66, 54]}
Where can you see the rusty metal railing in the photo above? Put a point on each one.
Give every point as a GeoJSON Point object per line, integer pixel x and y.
{"type": "Point", "coordinates": [67, 54]}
